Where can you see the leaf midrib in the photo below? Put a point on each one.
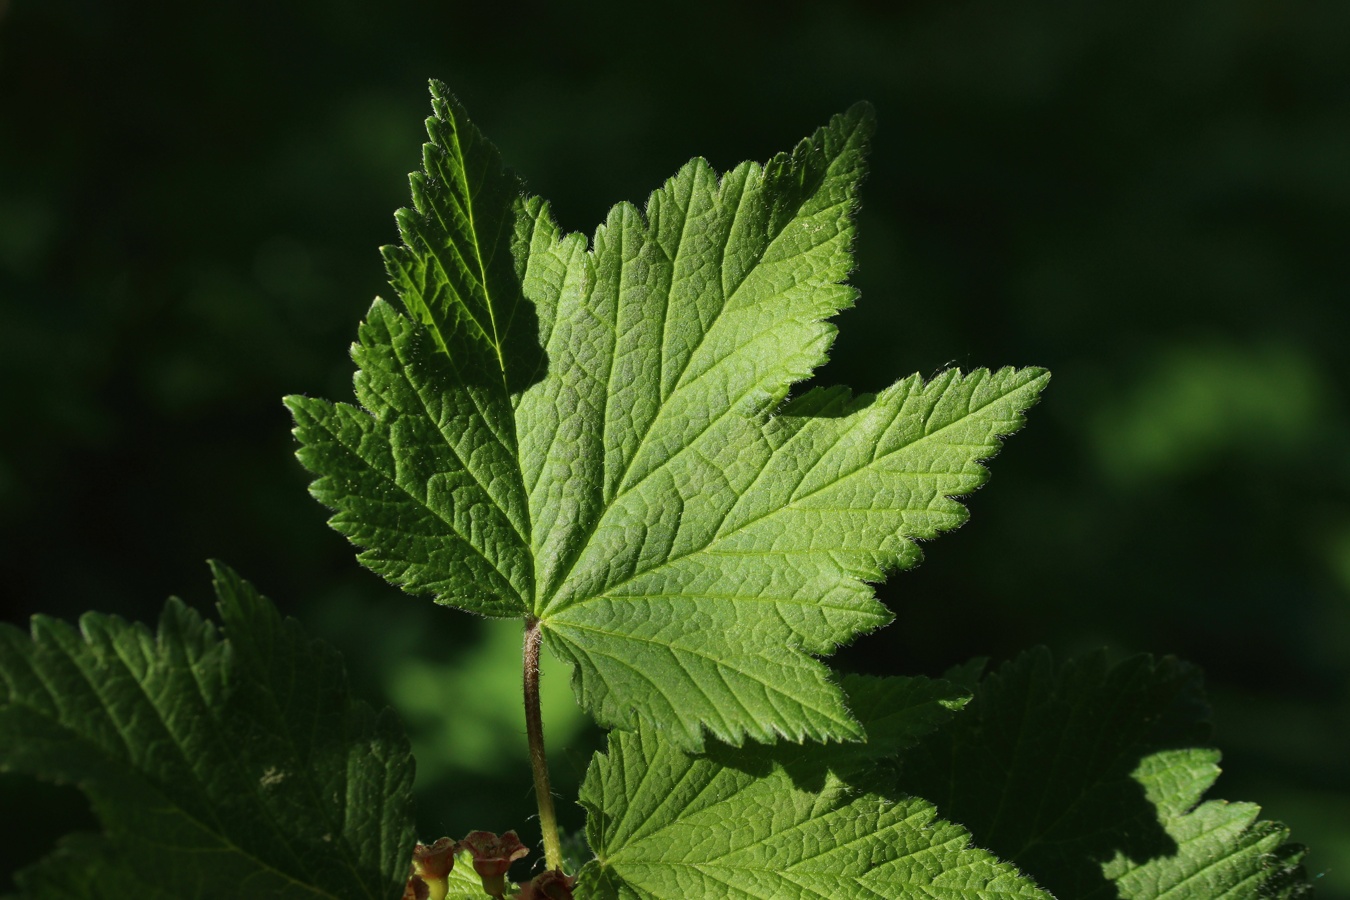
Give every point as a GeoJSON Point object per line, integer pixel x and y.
{"type": "Point", "coordinates": [470, 207]}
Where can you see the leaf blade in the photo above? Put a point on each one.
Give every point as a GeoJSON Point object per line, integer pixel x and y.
{"type": "Point", "coordinates": [425, 484]}
{"type": "Point", "coordinates": [425, 475]}
{"type": "Point", "coordinates": [1091, 777]}
{"type": "Point", "coordinates": [455, 271]}
{"type": "Point", "coordinates": [785, 822]}
{"type": "Point", "coordinates": [640, 496]}
{"type": "Point", "coordinates": [649, 348]}
{"type": "Point", "coordinates": [732, 619]}
{"type": "Point", "coordinates": [213, 764]}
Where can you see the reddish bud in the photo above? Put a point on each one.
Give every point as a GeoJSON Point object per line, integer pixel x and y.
{"type": "Point", "coordinates": [552, 885]}
{"type": "Point", "coordinates": [434, 861]}
{"type": "Point", "coordinates": [492, 857]}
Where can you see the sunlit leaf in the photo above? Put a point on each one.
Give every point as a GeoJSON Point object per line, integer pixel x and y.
{"type": "Point", "coordinates": [597, 434]}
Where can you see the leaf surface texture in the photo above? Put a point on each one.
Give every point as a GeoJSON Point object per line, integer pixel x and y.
{"type": "Point", "coordinates": [1091, 777]}
{"type": "Point", "coordinates": [219, 766]}
{"type": "Point", "coordinates": [782, 822]}
{"type": "Point", "coordinates": [599, 433]}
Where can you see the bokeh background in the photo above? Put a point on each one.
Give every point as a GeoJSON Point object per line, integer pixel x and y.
{"type": "Point", "coordinates": [1152, 199]}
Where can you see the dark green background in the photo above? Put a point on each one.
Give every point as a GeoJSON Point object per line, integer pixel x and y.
{"type": "Point", "coordinates": [1152, 199]}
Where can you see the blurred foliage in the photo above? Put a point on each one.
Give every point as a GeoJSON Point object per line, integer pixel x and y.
{"type": "Point", "coordinates": [1149, 198]}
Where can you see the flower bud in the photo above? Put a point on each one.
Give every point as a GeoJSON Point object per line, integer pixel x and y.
{"type": "Point", "coordinates": [431, 865]}
{"type": "Point", "coordinates": [492, 857]}
{"type": "Point", "coordinates": [551, 885]}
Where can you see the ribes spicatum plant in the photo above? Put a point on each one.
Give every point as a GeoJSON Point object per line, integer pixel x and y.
{"type": "Point", "coordinates": [613, 440]}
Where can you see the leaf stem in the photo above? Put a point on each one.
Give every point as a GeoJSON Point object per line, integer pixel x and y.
{"type": "Point", "coordinates": [534, 730]}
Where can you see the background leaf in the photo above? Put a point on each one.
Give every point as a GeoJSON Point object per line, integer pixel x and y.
{"type": "Point", "coordinates": [219, 767]}
{"type": "Point", "coordinates": [1088, 777]}
{"type": "Point", "coordinates": [783, 822]}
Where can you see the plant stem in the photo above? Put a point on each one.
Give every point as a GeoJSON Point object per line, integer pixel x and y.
{"type": "Point", "coordinates": [534, 730]}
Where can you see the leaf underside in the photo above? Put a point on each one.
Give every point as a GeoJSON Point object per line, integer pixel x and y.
{"type": "Point", "coordinates": [787, 822]}
{"type": "Point", "coordinates": [598, 434]}
{"type": "Point", "coordinates": [1090, 779]}
{"type": "Point", "coordinates": [219, 767]}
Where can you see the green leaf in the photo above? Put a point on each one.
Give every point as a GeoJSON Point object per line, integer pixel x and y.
{"type": "Point", "coordinates": [897, 712]}
{"type": "Point", "coordinates": [464, 883]}
{"type": "Point", "coordinates": [636, 478]}
{"type": "Point", "coordinates": [429, 481]}
{"type": "Point", "coordinates": [219, 767]}
{"type": "Point", "coordinates": [1088, 778]}
{"type": "Point", "coordinates": [718, 629]}
{"type": "Point", "coordinates": [781, 822]}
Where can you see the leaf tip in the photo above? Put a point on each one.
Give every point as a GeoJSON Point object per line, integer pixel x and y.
{"type": "Point", "coordinates": [864, 114]}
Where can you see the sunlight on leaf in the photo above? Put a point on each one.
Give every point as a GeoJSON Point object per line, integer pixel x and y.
{"type": "Point", "coordinates": [597, 434]}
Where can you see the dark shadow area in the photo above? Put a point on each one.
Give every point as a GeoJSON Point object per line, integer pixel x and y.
{"type": "Point", "coordinates": [1041, 766]}
{"type": "Point", "coordinates": [48, 812]}
{"type": "Point", "coordinates": [896, 713]}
